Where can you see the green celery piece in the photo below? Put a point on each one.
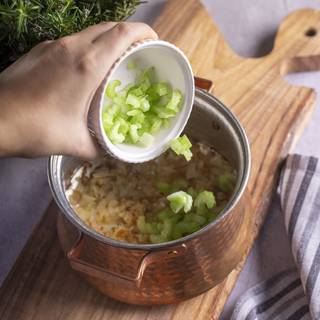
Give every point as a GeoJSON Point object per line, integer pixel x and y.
{"type": "Point", "coordinates": [203, 210]}
{"type": "Point", "coordinates": [205, 199]}
{"type": "Point", "coordinates": [133, 112]}
{"type": "Point", "coordinates": [145, 84]}
{"type": "Point", "coordinates": [113, 109]}
{"type": "Point", "coordinates": [133, 101]}
{"type": "Point", "coordinates": [144, 104]}
{"type": "Point", "coordinates": [177, 217]}
{"type": "Point", "coordinates": [156, 124]}
{"type": "Point", "coordinates": [177, 232]}
{"type": "Point", "coordinates": [181, 146]}
{"type": "Point", "coordinates": [226, 182]}
{"type": "Point", "coordinates": [136, 91]}
{"type": "Point", "coordinates": [146, 139]}
{"type": "Point", "coordinates": [115, 135]}
{"type": "Point", "coordinates": [119, 100]}
{"type": "Point", "coordinates": [164, 215]}
{"type": "Point", "coordinates": [167, 229]}
{"type": "Point", "coordinates": [107, 120]}
{"type": "Point", "coordinates": [124, 126]}
{"type": "Point", "coordinates": [146, 227]}
{"type": "Point", "coordinates": [164, 113]}
{"type": "Point", "coordinates": [148, 73]}
{"type": "Point", "coordinates": [175, 101]}
{"type": "Point", "coordinates": [145, 126]}
{"type": "Point", "coordinates": [199, 219]}
{"type": "Point", "coordinates": [186, 227]}
{"type": "Point", "coordinates": [139, 118]}
{"type": "Point", "coordinates": [161, 88]}
{"type": "Point", "coordinates": [133, 132]}
{"type": "Point", "coordinates": [124, 92]}
{"type": "Point", "coordinates": [153, 97]}
{"type": "Point", "coordinates": [180, 200]}
{"type": "Point", "coordinates": [111, 88]}
{"type": "Point", "coordinates": [164, 187]}
{"type": "Point", "coordinates": [124, 109]}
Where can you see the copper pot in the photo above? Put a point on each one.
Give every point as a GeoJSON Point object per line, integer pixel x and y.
{"type": "Point", "coordinates": [174, 271]}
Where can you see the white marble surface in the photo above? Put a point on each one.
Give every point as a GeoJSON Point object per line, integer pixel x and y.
{"type": "Point", "coordinates": [249, 27]}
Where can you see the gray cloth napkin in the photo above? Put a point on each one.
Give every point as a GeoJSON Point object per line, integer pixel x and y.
{"type": "Point", "coordinates": [292, 294]}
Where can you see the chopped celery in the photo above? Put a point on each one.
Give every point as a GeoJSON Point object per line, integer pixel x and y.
{"type": "Point", "coordinates": [139, 117]}
{"type": "Point", "coordinates": [133, 112]}
{"type": "Point", "coordinates": [200, 220]}
{"type": "Point", "coordinates": [167, 229]}
{"type": "Point", "coordinates": [146, 227]}
{"type": "Point", "coordinates": [107, 120]}
{"type": "Point", "coordinates": [164, 113]}
{"type": "Point", "coordinates": [164, 215]}
{"type": "Point", "coordinates": [186, 227]}
{"type": "Point", "coordinates": [180, 200]}
{"type": "Point", "coordinates": [226, 182]}
{"type": "Point", "coordinates": [156, 124]}
{"type": "Point", "coordinates": [152, 96]}
{"type": "Point", "coordinates": [134, 132]}
{"type": "Point", "coordinates": [181, 146]}
{"type": "Point", "coordinates": [115, 135]}
{"type": "Point", "coordinates": [119, 100]}
{"type": "Point", "coordinates": [144, 104]}
{"type": "Point", "coordinates": [177, 217]}
{"type": "Point", "coordinates": [133, 100]}
{"type": "Point", "coordinates": [138, 92]}
{"type": "Point", "coordinates": [161, 89]}
{"type": "Point", "coordinates": [205, 198]}
{"type": "Point", "coordinates": [145, 84]}
{"type": "Point", "coordinates": [111, 88]}
{"type": "Point", "coordinates": [140, 109]}
{"type": "Point", "coordinates": [175, 101]}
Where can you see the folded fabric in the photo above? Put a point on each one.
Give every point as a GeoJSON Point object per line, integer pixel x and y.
{"type": "Point", "coordinates": [294, 293]}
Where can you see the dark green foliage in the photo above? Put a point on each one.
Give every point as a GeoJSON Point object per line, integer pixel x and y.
{"type": "Point", "coordinates": [24, 23]}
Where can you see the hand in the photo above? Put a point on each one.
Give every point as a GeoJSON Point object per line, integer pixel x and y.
{"type": "Point", "coordinates": [46, 94]}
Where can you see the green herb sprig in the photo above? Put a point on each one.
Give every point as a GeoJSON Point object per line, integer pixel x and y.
{"type": "Point", "coordinates": [25, 23]}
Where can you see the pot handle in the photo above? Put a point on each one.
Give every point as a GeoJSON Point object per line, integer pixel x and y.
{"type": "Point", "coordinates": [78, 264]}
{"type": "Point", "coordinates": [203, 83]}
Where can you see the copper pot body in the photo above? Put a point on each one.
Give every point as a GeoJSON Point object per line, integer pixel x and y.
{"type": "Point", "coordinates": [174, 271]}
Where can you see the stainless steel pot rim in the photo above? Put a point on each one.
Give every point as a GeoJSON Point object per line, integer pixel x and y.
{"type": "Point", "coordinates": [74, 219]}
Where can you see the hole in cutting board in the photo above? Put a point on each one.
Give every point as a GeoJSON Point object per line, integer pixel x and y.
{"type": "Point", "coordinates": [311, 32]}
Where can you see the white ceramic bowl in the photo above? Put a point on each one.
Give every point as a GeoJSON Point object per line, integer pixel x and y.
{"type": "Point", "coordinates": [171, 66]}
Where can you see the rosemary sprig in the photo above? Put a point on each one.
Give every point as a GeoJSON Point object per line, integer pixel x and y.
{"type": "Point", "coordinates": [24, 23]}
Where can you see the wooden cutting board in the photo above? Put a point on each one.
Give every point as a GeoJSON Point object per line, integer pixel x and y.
{"type": "Point", "coordinates": [42, 286]}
